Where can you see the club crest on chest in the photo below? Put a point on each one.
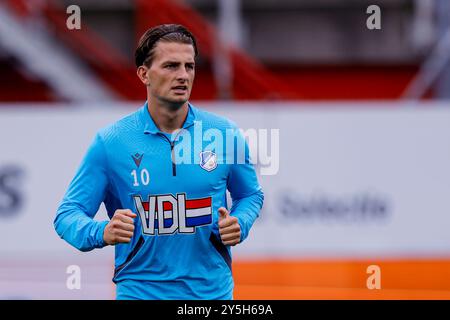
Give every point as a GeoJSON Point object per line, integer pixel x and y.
{"type": "Point", "coordinates": [208, 160]}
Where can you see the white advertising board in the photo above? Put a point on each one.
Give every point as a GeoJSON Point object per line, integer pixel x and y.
{"type": "Point", "coordinates": [348, 180]}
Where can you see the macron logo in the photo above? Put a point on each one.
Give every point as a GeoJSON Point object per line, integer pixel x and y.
{"type": "Point", "coordinates": [137, 158]}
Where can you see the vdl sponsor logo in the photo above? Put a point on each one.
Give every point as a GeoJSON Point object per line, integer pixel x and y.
{"type": "Point", "coordinates": [167, 213]}
{"type": "Point", "coordinates": [11, 195]}
{"type": "Point", "coordinates": [364, 207]}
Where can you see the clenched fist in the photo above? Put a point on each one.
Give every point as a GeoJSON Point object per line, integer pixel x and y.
{"type": "Point", "coordinates": [229, 228]}
{"type": "Point", "coordinates": [120, 228]}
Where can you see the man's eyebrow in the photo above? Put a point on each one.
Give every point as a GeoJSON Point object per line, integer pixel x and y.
{"type": "Point", "coordinates": [173, 61]}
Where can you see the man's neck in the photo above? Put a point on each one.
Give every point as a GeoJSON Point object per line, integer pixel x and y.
{"type": "Point", "coordinates": [166, 118]}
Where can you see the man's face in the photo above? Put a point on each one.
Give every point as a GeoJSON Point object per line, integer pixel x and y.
{"type": "Point", "coordinates": [172, 72]}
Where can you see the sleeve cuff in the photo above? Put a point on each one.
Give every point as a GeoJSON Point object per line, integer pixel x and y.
{"type": "Point", "coordinates": [100, 242]}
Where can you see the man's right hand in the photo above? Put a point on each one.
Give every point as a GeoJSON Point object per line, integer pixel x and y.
{"type": "Point", "coordinates": [120, 228]}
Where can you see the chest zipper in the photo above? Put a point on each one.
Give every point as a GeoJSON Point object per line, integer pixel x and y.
{"type": "Point", "coordinates": [174, 166]}
{"type": "Point", "coordinates": [172, 152]}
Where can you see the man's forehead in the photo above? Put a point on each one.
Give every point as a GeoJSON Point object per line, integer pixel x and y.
{"type": "Point", "coordinates": [174, 51]}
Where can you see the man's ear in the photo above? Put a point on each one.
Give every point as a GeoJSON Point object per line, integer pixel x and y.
{"type": "Point", "coordinates": [142, 72]}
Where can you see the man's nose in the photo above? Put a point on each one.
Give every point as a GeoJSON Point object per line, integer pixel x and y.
{"type": "Point", "coordinates": [182, 75]}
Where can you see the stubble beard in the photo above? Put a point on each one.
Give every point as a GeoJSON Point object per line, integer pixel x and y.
{"type": "Point", "coordinates": [172, 104]}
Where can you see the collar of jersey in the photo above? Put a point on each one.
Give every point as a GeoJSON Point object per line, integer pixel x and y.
{"type": "Point", "coordinates": [150, 126]}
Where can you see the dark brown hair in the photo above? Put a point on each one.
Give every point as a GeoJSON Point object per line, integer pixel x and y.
{"type": "Point", "coordinates": [165, 32]}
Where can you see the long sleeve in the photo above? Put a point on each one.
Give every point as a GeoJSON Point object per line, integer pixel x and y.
{"type": "Point", "coordinates": [74, 219]}
{"type": "Point", "coordinates": [246, 193]}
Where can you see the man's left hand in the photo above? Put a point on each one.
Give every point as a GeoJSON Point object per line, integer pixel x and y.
{"type": "Point", "coordinates": [229, 228]}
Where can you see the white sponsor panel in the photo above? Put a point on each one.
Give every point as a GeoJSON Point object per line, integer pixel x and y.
{"type": "Point", "coordinates": [47, 145]}
{"type": "Point", "coordinates": [356, 183]}
{"type": "Point", "coordinates": [352, 180]}
{"type": "Point", "coordinates": [41, 147]}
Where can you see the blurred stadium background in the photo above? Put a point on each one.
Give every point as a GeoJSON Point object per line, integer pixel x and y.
{"type": "Point", "coordinates": [364, 121]}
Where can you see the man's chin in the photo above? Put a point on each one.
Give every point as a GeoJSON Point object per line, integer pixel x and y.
{"type": "Point", "coordinates": [176, 102]}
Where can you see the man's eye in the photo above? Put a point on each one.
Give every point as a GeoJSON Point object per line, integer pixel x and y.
{"type": "Point", "coordinates": [190, 66]}
{"type": "Point", "coordinates": [171, 66]}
